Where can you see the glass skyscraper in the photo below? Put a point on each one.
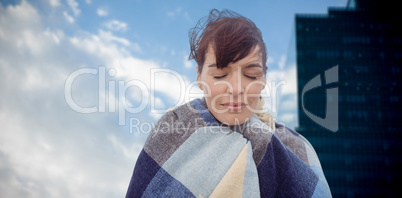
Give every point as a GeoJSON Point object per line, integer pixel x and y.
{"type": "Point", "coordinates": [349, 65]}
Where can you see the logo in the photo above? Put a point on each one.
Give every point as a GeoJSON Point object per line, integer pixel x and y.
{"type": "Point", "coordinates": [331, 119]}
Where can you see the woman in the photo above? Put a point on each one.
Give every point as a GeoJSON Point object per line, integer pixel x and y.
{"type": "Point", "coordinates": [223, 145]}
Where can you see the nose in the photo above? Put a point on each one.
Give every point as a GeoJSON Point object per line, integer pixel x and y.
{"type": "Point", "coordinates": [236, 85]}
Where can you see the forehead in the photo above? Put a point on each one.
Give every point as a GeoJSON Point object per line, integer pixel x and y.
{"type": "Point", "coordinates": [253, 56]}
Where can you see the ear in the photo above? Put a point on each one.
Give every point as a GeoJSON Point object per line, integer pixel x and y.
{"type": "Point", "coordinates": [199, 78]}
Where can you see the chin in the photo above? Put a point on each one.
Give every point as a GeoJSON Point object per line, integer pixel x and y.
{"type": "Point", "coordinates": [233, 119]}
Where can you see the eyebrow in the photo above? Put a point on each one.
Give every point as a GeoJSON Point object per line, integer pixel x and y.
{"type": "Point", "coordinates": [253, 65]}
{"type": "Point", "coordinates": [248, 66]}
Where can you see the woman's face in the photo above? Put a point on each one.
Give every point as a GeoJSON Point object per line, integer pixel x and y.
{"type": "Point", "coordinates": [232, 94]}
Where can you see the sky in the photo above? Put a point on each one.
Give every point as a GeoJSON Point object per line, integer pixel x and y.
{"type": "Point", "coordinates": [83, 82]}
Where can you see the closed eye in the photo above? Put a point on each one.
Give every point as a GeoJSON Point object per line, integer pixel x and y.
{"type": "Point", "coordinates": [219, 77]}
{"type": "Point", "coordinates": [254, 78]}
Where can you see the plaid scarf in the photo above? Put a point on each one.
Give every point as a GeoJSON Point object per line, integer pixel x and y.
{"type": "Point", "coordinates": [191, 154]}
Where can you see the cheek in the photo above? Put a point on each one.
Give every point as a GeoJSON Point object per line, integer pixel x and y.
{"type": "Point", "coordinates": [255, 88]}
{"type": "Point", "coordinates": [213, 90]}
{"type": "Point", "coordinates": [253, 95]}
{"type": "Point", "coordinates": [217, 94]}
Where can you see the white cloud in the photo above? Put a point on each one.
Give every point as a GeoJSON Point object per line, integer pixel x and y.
{"type": "Point", "coordinates": [24, 14]}
{"type": "Point", "coordinates": [287, 119]}
{"type": "Point", "coordinates": [102, 12]}
{"type": "Point", "coordinates": [288, 97]}
{"type": "Point", "coordinates": [179, 12]}
{"type": "Point", "coordinates": [186, 16]}
{"type": "Point", "coordinates": [155, 116]}
{"type": "Point", "coordinates": [46, 148]}
{"type": "Point", "coordinates": [159, 105]}
{"type": "Point", "coordinates": [34, 79]}
{"type": "Point", "coordinates": [289, 104]}
{"type": "Point", "coordinates": [69, 18]}
{"type": "Point", "coordinates": [275, 75]}
{"type": "Point", "coordinates": [270, 61]}
{"type": "Point", "coordinates": [129, 151]}
{"type": "Point", "coordinates": [109, 37]}
{"type": "Point", "coordinates": [187, 63]}
{"type": "Point", "coordinates": [291, 80]}
{"type": "Point", "coordinates": [74, 6]}
{"type": "Point", "coordinates": [170, 13]}
{"type": "Point", "coordinates": [136, 47]}
{"type": "Point", "coordinates": [174, 13]}
{"type": "Point", "coordinates": [54, 3]}
{"type": "Point", "coordinates": [116, 25]}
{"type": "Point", "coordinates": [57, 35]}
{"type": "Point", "coordinates": [282, 62]}
{"type": "Point", "coordinates": [88, 1]}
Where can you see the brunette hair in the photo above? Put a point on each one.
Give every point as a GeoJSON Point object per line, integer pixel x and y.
{"type": "Point", "coordinates": [232, 36]}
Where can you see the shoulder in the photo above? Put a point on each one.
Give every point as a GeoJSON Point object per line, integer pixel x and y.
{"type": "Point", "coordinates": [175, 118]}
{"type": "Point", "coordinates": [171, 130]}
{"type": "Point", "coordinates": [298, 144]}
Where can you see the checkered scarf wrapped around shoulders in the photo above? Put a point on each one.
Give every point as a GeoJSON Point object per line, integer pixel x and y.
{"type": "Point", "coordinates": [191, 154]}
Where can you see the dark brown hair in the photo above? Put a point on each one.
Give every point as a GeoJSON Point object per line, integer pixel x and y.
{"type": "Point", "coordinates": [232, 36]}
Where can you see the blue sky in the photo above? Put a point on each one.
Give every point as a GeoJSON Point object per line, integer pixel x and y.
{"type": "Point", "coordinates": [51, 148]}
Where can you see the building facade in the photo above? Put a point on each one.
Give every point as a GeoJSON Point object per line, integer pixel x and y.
{"type": "Point", "coordinates": [349, 64]}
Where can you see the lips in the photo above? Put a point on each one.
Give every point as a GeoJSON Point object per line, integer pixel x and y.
{"type": "Point", "coordinates": [234, 106]}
